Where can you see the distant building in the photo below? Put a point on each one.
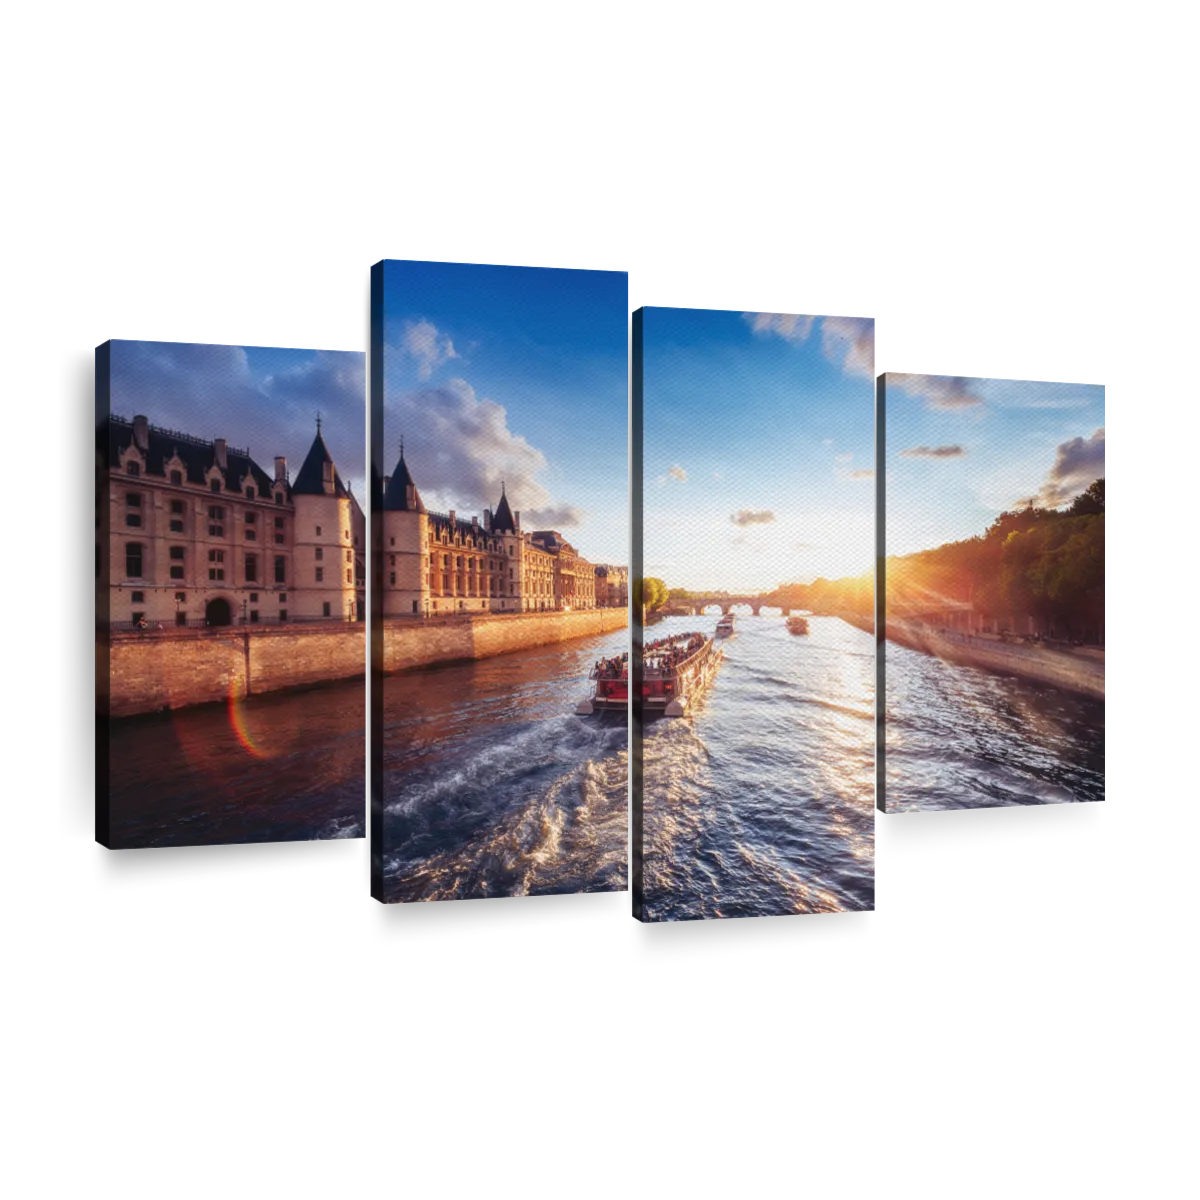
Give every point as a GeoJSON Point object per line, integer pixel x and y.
{"type": "Point", "coordinates": [436, 564]}
{"type": "Point", "coordinates": [612, 586]}
{"type": "Point", "coordinates": [200, 534]}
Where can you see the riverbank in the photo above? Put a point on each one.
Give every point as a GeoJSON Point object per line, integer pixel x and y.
{"type": "Point", "coordinates": [1080, 671]}
{"type": "Point", "coordinates": [162, 669]}
{"type": "Point", "coordinates": [409, 643]}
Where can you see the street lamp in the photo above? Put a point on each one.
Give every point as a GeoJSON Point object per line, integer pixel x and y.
{"type": "Point", "coordinates": [245, 607]}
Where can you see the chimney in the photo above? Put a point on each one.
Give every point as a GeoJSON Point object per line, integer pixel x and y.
{"type": "Point", "coordinates": [452, 514]}
{"type": "Point", "coordinates": [141, 433]}
{"type": "Point", "coordinates": [475, 524]}
{"type": "Point", "coordinates": [280, 469]}
{"type": "Point", "coordinates": [517, 520]}
{"type": "Point", "coordinates": [219, 451]}
{"type": "Point", "coordinates": [487, 519]}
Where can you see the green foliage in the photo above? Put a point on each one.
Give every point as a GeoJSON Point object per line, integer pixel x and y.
{"type": "Point", "coordinates": [649, 592]}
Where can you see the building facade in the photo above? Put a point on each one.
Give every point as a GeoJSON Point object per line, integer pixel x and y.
{"type": "Point", "coordinates": [200, 535]}
{"type": "Point", "coordinates": [612, 586]}
{"type": "Point", "coordinates": [440, 564]}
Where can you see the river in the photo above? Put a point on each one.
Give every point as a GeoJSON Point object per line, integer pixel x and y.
{"type": "Point", "coordinates": [962, 737]}
{"type": "Point", "coordinates": [761, 801]}
{"type": "Point", "coordinates": [494, 787]}
{"type": "Point", "coordinates": [282, 766]}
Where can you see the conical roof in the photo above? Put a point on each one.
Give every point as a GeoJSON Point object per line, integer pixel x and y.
{"type": "Point", "coordinates": [311, 479]}
{"type": "Point", "coordinates": [502, 518]}
{"type": "Point", "coordinates": [395, 499]}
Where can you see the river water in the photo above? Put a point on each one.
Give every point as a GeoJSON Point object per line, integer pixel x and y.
{"type": "Point", "coordinates": [494, 787]}
{"type": "Point", "coordinates": [961, 737]}
{"type": "Point", "coordinates": [761, 801]}
{"type": "Point", "coordinates": [283, 766]}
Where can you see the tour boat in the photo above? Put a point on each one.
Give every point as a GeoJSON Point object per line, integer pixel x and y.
{"type": "Point", "coordinates": [725, 626]}
{"type": "Point", "coordinates": [797, 625]}
{"type": "Point", "coordinates": [612, 686]}
{"type": "Point", "coordinates": [667, 690]}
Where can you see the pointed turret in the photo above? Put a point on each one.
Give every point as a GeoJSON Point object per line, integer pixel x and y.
{"type": "Point", "coordinates": [502, 518]}
{"type": "Point", "coordinates": [318, 476]}
{"type": "Point", "coordinates": [401, 494]}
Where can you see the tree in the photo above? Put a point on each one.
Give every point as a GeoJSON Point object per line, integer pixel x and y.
{"type": "Point", "coordinates": [1089, 502]}
{"type": "Point", "coordinates": [649, 592]}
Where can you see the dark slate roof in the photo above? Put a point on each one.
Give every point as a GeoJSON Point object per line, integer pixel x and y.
{"type": "Point", "coordinates": [311, 480]}
{"type": "Point", "coordinates": [395, 499]}
{"type": "Point", "coordinates": [197, 455]}
{"type": "Point", "coordinates": [502, 518]}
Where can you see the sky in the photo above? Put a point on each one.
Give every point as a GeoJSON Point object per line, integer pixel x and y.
{"type": "Point", "coordinates": [264, 399]}
{"type": "Point", "coordinates": [960, 451]}
{"type": "Point", "coordinates": [758, 447]}
{"type": "Point", "coordinates": [513, 375]}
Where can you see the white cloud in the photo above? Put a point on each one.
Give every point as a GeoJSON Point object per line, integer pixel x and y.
{"type": "Point", "coordinates": [938, 391]}
{"type": "Point", "coordinates": [1077, 464]}
{"type": "Point", "coordinates": [426, 346]}
{"type": "Point", "coordinates": [850, 341]}
{"type": "Point", "coordinates": [752, 516]}
{"type": "Point", "coordinates": [676, 472]}
{"type": "Point", "coordinates": [789, 326]}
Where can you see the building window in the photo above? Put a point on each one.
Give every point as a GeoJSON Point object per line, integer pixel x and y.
{"type": "Point", "coordinates": [176, 562]}
{"type": "Point", "coordinates": [133, 468]}
{"type": "Point", "coordinates": [138, 617]}
{"type": "Point", "coordinates": [133, 504]}
{"type": "Point", "coordinates": [216, 572]}
{"type": "Point", "coordinates": [177, 480]}
{"type": "Point", "coordinates": [251, 535]}
{"type": "Point", "coordinates": [215, 485]}
{"type": "Point", "coordinates": [279, 539]}
{"type": "Point", "coordinates": [137, 597]}
{"type": "Point", "coordinates": [251, 568]}
{"type": "Point", "coordinates": [325, 608]}
{"type": "Point", "coordinates": [393, 578]}
{"type": "Point", "coordinates": [278, 497]}
{"type": "Point", "coordinates": [318, 531]}
{"type": "Point", "coordinates": [250, 492]}
{"type": "Point", "coordinates": [278, 522]}
{"type": "Point", "coordinates": [280, 569]}
{"type": "Point", "coordinates": [320, 554]}
{"type": "Point", "coordinates": [349, 577]}
{"type": "Point", "coordinates": [320, 574]}
{"type": "Point", "coordinates": [349, 555]}
{"type": "Point", "coordinates": [133, 560]}
{"type": "Point", "coordinates": [216, 519]}
{"type": "Point", "coordinates": [180, 597]}
{"type": "Point", "coordinates": [254, 616]}
{"type": "Point", "coordinates": [283, 597]}
{"type": "Point", "coordinates": [251, 518]}
{"type": "Point", "coordinates": [393, 541]}
{"type": "Point", "coordinates": [253, 597]}
{"type": "Point", "coordinates": [283, 614]}
{"type": "Point", "coordinates": [176, 525]}
{"type": "Point", "coordinates": [180, 617]}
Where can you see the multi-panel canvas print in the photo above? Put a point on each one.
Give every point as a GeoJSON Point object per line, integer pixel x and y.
{"type": "Point", "coordinates": [499, 525]}
{"type": "Point", "coordinates": [991, 517]}
{"type": "Point", "coordinates": [230, 594]}
{"type": "Point", "coordinates": [753, 680]}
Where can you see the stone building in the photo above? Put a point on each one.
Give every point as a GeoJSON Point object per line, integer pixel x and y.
{"type": "Point", "coordinates": [435, 564]}
{"type": "Point", "coordinates": [200, 535]}
{"type": "Point", "coordinates": [612, 586]}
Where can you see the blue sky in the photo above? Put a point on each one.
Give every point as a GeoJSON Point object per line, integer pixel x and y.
{"type": "Point", "coordinates": [264, 398]}
{"type": "Point", "coordinates": [758, 447]}
{"type": "Point", "coordinates": [517, 374]}
{"type": "Point", "coordinates": [962, 450]}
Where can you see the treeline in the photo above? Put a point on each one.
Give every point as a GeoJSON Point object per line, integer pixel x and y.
{"type": "Point", "coordinates": [1041, 563]}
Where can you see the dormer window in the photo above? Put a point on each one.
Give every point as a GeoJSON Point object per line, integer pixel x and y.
{"type": "Point", "coordinates": [214, 485]}
{"type": "Point", "coordinates": [133, 468]}
{"type": "Point", "coordinates": [177, 478]}
{"type": "Point", "coordinates": [278, 497]}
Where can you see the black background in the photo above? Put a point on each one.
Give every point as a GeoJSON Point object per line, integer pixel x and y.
{"type": "Point", "coordinates": [1021, 870]}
